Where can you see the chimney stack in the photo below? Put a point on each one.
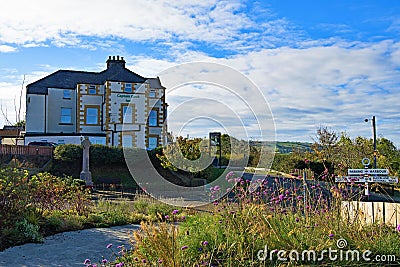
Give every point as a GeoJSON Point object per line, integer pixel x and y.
{"type": "Point", "coordinates": [115, 61]}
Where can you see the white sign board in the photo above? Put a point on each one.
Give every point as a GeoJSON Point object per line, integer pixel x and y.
{"type": "Point", "coordinates": [370, 179]}
{"type": "Point", "coordinates": [358, 172]}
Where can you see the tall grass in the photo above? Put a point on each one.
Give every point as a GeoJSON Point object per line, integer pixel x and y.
{"type": "Point", "coordinates": [278, 216]}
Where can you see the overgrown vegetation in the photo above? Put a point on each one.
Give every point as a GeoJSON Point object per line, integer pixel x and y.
{"type": "Point", "coordinates": [32, 207]}
{"type": "Point", "coordinates": [251, 229]}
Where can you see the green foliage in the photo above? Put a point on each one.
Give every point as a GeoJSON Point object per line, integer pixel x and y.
{"type": "Point", "coordinates": [68, 153]}
{"type": "Point", "coordinates": [26, 201]}
{"type": "Point", "coordinates": [29, 231]}
{"type": "Point", "coordinates": [100, 155]}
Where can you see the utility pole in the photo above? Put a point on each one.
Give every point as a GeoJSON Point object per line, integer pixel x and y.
{"type": "Point", "coordinates": [374, 135]}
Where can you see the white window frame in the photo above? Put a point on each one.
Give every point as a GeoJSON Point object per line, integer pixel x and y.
{"type": "Point", "coordinates": [127, 114]}
{"type": "Point", "coordinates": [150, 119]}
{"type": "Point", "coordinates": [67, 94]}
{"type": "Point", "coordinates": [66, 118]}
{"type": "Point", "coordinates": [92, 87]}
{"type": "Point", "coordinates": [151, 139]}
{"type": "Point", "coordinates": [152, 94]}
{"type": "Point", "coordinates": [128, 88]}
{"type": "Point", "coordinates": [87, 122]}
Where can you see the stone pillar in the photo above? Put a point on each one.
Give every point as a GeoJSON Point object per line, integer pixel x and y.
{"type": "Point", "coordinates": [86, 175]}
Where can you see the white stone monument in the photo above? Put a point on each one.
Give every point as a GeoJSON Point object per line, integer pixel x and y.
{"type": "Point", "coordinates": [86, 175]}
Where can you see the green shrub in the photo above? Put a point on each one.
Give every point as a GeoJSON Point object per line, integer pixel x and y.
{"type": "Point", "coordinates": [68, 152]}
{"type": "Point", "coordinates": [29, 231]}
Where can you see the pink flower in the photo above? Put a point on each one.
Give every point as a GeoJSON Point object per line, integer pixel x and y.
{"type": "Point", "coordinates": [109, 245]}
{"type": "Point", "coordinates": [398, 228]}
{"type": "Point", "coordinates": [175, 211]}
{"type": "Point", "coordinates": [87, 261]}
{"type": "Point", "coordinates": [184, 247]}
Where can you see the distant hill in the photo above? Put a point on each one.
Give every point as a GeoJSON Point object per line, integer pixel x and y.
{"type": "Point", "coordinates": [285, 147]}
{"type": "Point", "coordinates": [288, 147]}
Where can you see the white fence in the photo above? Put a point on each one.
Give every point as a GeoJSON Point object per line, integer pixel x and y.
{"type": "Point", "coordinates": [371, 212]}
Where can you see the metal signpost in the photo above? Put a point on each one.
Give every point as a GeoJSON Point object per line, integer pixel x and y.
{"type": "Point", "coordinates": [215, 140]}
{"type": "Point", "coordinates": [366, 176]}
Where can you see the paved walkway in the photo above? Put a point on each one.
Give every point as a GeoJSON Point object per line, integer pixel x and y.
{"type": "Point", "coordinates": [69, 248]}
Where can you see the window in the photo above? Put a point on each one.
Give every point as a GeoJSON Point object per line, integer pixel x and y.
{"type": "Point", "coordinates": [152, 93]}
{"type": "Point", "coordinates": [153, 142]}
{"type": "Point", "coordinates": [92, 90]}
{"type": "Point", "coordinates": [66, 115]}
{"type": "Point", "coordinates": [128, 87]}
{"type": "Point", "coordinates": [127, 140]}
{"type": "Point", "coordinates": [127, 114]}
{"type": "Point", "coordinates": [67, 94]}
{"type": "Point", "coordinates": [92, 115]}
{"type": "Point", "coordinates": [153, 118]}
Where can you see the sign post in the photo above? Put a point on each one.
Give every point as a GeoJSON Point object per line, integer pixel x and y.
{"type": "Point", "coordinates": [367, 176]}
{"type": "Point", "coordinates": [215, 140]}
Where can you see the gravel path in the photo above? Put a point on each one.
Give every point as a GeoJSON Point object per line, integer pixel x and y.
{"type": "Point", "coordinates": [69, 248]}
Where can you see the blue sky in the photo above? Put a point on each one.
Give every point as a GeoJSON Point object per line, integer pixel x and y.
{"type": "Point", "coordinates": [318, 63]}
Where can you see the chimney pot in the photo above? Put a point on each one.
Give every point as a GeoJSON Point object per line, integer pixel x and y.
{"type": "Point", "coordinates": [113, 57]}
{"type": "Point", "coordinates": [109, 57]}
{"type": "Point", "coordinates": [117, 57]}
{"type": "Point", "coordinates": [122, 58]}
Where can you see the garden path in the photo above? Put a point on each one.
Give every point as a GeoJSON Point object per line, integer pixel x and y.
{"type": "Point", "coordinates": [69, 249]}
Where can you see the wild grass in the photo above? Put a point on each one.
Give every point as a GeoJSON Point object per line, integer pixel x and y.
{"type": "Point", "coordinates": [260, 227]}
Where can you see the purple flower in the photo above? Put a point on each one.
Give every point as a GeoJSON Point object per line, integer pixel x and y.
{"type": "Point", "coordinates": [104, 261]}
{"type": "Point", "coordinates": [166, 217]}
{"type": "Point", "coordinates": [109, 245]}
{"type": "Point", "coordinates": [136, 259]}
{"type": "Point", "coordinates": [120, 264]}
{"type": "Point", "coordinates": [205, 243]}
{"type": "Point", "coordinates": [230, 175]}
{"type": "Point", "coordinates": [159, 261]}
{"type": "Point", "coordinates": [144, 261]}
{"type": "Point", "coordinates": [184, 247]}
{"type": "Point", "coordinates": [331, 236]}
{"type": "Point", "coordinates": [281, 197]}
{"type": "Point", "coordinates": [398, 228]}
{"type": "Point", "coordinates": [297, 219]}
{"type": "Point", "coordinates": [175, 211]}
{"type": "Point", "coordinates": [87, 261]}
{"type": "Point", "coordinates": [216, 188]}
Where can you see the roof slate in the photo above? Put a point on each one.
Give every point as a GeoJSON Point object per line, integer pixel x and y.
{"type": "Point", "coordinates": [68, 79]}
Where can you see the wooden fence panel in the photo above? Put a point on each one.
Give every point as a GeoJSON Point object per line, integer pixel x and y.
{"type": "Point", "coordinates": [371, 212]}
{"type": "Point", "coordinates": [391, 214]}
{"type": "Point", "coordinates": [26, 150]}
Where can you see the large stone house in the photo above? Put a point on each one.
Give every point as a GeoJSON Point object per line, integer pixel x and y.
{"type": "Point", "coordinates": [114, 107]}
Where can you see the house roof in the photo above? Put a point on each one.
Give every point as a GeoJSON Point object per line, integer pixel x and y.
{"type": "Point", "coordinates": [68, 79]}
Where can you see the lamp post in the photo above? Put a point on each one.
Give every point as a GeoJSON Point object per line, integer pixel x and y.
{"type": "Point", "coordinates": [374, 132]}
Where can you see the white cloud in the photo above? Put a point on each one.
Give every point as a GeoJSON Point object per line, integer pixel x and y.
{"type": "Point", "coordinates": [7, 49]}
{"type": "Point", "coordinates": [337, 86]}
{"type": "Point", "coordinates": [65, 23]}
